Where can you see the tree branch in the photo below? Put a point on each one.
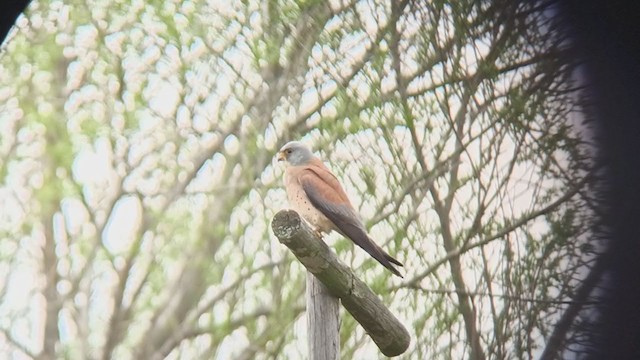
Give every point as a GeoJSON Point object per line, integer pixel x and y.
{"type": "Point", "coordinates": [556, 340]}
{"type": "Point", "coordinates": [498, 235]}
{"type": "Point", "coordinates": [387, 332]}
{"type": "Point", "coordinates": [17, 345]}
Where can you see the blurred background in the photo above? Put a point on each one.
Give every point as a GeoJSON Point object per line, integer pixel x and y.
{"type": "Point", "coordinates": [138, 181]}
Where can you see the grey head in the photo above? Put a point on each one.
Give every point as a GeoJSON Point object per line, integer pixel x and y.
{"type": "Point", "coordinates": [295, 153]}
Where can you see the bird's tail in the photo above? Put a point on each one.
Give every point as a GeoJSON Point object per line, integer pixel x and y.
{"type": "Point", "coordinates": [358, 235]}
{"type": "Point", "coordinates": [392, 259]}
{"type": "Point", "coordinates": [387, 260]}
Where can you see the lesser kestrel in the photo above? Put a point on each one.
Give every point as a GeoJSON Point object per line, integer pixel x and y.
{"type": "Point", "coordinates": [316, 194]}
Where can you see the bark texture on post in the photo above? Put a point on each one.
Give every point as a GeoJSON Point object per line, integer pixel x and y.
{"type": "Point", "coordinates": [323, 321]}
{"type": "Point", "coordinates": [385, 330]}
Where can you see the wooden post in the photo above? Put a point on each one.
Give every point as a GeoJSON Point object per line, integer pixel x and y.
{"type": "Point", "coordinates": [323, 321]}
{"type": "Point", "coordinates": [385, 330]}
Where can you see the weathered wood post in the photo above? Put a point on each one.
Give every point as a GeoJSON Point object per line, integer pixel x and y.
{"type": "Point", "coordinates": [323, 321]}
{"type": "Point", "coordinates": [385, 330]}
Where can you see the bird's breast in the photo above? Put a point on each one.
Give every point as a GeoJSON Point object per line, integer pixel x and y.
{"type": "Point", "coordinates": [299, 201]}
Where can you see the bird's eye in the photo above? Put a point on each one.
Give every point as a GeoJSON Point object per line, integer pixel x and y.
{"type": "Point", "coordinates": [289, 151]}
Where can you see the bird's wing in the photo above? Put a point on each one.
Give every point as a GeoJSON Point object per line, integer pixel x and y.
{"type": "Point", "coordinates": [326, 194]}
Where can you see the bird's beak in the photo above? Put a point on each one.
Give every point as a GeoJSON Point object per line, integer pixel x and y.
{"type": "Point", "coordinates": [280, 156]}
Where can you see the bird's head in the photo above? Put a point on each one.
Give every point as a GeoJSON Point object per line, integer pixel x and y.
{"type": "Point", "coordinates": [295, 153]}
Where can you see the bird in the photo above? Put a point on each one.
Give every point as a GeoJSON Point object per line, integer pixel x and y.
{"type": "Point", "coordinates": [315, 193]}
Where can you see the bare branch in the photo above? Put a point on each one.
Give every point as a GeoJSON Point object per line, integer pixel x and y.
{"type": "Point", "coordinates": [500, 234]}
{"type": "Point", "coordinates": [17, 344]}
